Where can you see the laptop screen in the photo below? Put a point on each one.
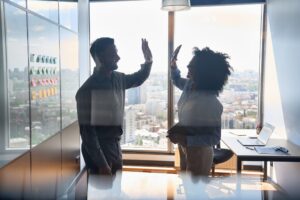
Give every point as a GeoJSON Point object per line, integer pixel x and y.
{"type": "Point", "coordinates": [265, 133]}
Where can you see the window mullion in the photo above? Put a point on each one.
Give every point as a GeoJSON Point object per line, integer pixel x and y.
{"type": "Point", "coordinates": [171, 21]}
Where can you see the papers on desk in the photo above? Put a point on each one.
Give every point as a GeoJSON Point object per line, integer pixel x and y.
{"type": "Point", "coordinates": [265, 150]}
{"type": "Point", "coordinates": [269, 150]}
{"type": "Point", "coordinates": [237, 133]}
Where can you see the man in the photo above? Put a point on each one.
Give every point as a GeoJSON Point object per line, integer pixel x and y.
{"type": "Point", "coordinates": [100, 106]}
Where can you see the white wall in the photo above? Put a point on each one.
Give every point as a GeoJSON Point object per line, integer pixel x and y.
{"type": "Point", "coordinates": [282, 80]}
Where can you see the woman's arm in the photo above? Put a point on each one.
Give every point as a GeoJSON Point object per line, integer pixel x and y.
{"type": "Point", "coordinates": [175, 72]}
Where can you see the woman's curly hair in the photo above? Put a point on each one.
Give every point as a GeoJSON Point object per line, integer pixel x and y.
{"type": "Point", "coordinates": [211, 70]}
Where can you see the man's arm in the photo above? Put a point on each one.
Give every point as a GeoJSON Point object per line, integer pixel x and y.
{"type": "Point", "coordinates": [89, 139]}
{"type": "Point", "coordinates": [137, 78]}
{"type": "Point", "coordinates": [83, 102]}
{"type": "Point", "coordinates": [92, 147]}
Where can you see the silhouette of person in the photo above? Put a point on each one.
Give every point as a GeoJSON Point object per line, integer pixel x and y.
{"type": "Point", "coordinates": [100, 106]}
{"type": "Point", "coordinates": [199, 110]}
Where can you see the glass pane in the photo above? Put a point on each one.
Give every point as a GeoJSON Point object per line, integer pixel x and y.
{"type": "Point", "coordinates": [44, 78]}
{"type": "Point", "coordinates": [145, 120]}
{"type": "Point", "coordinates": [20, 2]}
{"type": "Point", "coordinates": [18, 88]}
{"type": "Point", "coordinates": [68, 14]}
{"type": "Point", "coordinates": [234, 30]}
{"type": "Point", "coordinates": [48, 9]}
{"type": "Point", "coordinates": [69, 75]}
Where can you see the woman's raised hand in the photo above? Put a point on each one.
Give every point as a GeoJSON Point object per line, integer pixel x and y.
{"type": "Point", "coordinates": [174, 57]}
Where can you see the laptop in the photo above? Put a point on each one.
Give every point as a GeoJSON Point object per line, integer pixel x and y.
{"type": "Point", "coordinates": [262, 138]}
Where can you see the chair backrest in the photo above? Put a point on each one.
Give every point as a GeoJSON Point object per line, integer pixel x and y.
{"type": "Point", "coordinates": [221, 155]}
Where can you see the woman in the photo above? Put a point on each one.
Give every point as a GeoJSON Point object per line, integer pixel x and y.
{"type": "Point", "coordinates": [199, 110]}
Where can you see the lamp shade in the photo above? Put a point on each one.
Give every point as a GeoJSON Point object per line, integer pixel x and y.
{"type": "Point", "coordinates": [175, 5]}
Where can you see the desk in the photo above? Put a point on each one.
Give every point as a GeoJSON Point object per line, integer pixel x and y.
{"type": "Point", "coordinates": [244, 154]}
{"type": "Point", "coordinates": [141, 185]}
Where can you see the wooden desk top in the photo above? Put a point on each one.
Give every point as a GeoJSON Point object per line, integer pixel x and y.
{"type": "Point", "coordinates": [141, 185]}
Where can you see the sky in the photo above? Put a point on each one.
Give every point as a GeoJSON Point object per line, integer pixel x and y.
{"type": "Point", "coordinates": [234, 30]}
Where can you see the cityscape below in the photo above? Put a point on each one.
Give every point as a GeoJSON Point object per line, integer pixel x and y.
{"type": "Point", "coordinates": [145, 121]}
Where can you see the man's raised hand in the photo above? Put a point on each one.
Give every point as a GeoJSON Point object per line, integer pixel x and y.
{"type": "Point", "coordinates": [146, 51]}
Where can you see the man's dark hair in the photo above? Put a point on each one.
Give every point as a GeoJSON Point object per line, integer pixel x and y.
{"type": "Point", "coordinates": [99, 45]}
{"type": "Point", "coordinates": [212, 70]}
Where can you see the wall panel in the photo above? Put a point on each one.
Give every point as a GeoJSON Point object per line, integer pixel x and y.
{"type": "Point", "coordinates": [70, 154]}
{"type": "Point", "coordinates": [46, 169]}
{"type": "Point", "coordinates": [15, 179]}
{"type": "Point", "coordinates": [282, 96]}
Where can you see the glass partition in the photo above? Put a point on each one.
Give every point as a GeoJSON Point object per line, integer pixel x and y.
{"type": "Point", "coordinates": [68, 14]}
{"type": "Point", "coordinates": [44, 78]}
{"type": "Point", "coordinates": [69, 75]}
{"type": "Point", "coordinates": [32, 105]}
{"type": "Point", "coordinates": [20, 2]}
{"type": "Point", "coordinates": [17, 77]}
{"type": "Point", "coordinates": [14, 88]}
{"type": "Point", "coordinates": [48, 9]}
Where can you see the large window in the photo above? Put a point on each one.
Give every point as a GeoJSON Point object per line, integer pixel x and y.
{"type": "Point", "coordinates": [234, 30]}
{"type": "Point", "coordinates": [145, 120]}
{"type": "Point", "coordinates": [17, 66]}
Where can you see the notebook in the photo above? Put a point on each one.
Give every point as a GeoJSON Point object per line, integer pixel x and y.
{"type": "Point", "coordinates": [262, 138]}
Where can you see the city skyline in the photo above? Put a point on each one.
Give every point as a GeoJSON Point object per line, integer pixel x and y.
{"type": "Point", "coordinates": [145, 120]}
{"type": "Point", "coordinates": [145, 124]}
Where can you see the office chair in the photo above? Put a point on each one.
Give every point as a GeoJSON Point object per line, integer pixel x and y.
{"type": "Point", "coordinates": [220, 155]}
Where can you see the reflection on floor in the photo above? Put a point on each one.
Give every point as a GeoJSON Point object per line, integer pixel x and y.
{"type": "Point", "coordinates": [145, 185]}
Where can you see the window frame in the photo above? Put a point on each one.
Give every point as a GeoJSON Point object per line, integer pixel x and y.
{"type": "Point", "coordinates": [170, 100]}
{"type": "Point", "coordinates": [171, 21]}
